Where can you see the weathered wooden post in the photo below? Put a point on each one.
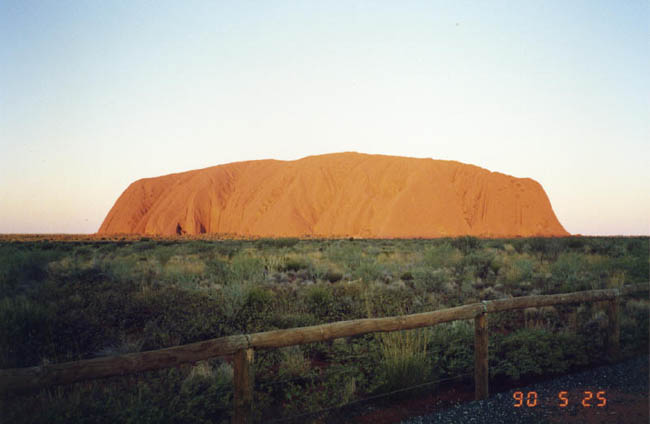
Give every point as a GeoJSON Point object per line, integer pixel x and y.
{"type": "Point", "coordinates": [243, 382]}
{"type": "Point", "coordinates": [481, 356]}
{"type": "Point", "coordinates": [614, 330]}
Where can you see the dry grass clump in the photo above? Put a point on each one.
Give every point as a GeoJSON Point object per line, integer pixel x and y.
{"type": "Point", "coordinates": [405, 361]}
{"type": "Point", "coordinates": [293, 363]}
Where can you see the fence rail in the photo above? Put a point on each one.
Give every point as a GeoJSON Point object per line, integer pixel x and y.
{"type": "Point", "coordinates": [20, 380]}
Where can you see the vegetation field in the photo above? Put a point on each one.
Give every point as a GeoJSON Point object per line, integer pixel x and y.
{"type": "Point", "coordinates": [67, 300]}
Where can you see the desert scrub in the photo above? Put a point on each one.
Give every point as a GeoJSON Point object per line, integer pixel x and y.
{"type": "Point", "coordinates": [516, 269]}
{"type": "Point", "coordinates": [334, 386]}
{"type": "Point", "coordinates": [598, 268]}
{"type": "Point", "coordinates": [297, 263]}
{"type": "Point", "coordinates": [569, 272]}
{"type": "Point", "coordinates": [348, 301]}
{"type": "Point", "coordinates": [332, 276]}
{"type": "Point", "coordinates": [206, 394]}
{"type": "Point", "coordinates": [443, 255]}
{"type": "Point", "coordinates": [293, 364]}
{"type": "Point", "coordinates": [346, 253]}
{"type": "Point", "coordinates": [381, 300]}
{"type": "Point", "coordinates": [405, 361]}
{"type": "Point", "coordinates": [466, 244]}
{"type": "Point", "coordinates": [164, 253]}
{"type": "Point", "coordinates": [257, 309]}
{"type": "Point", "coordinates": [616, 279]}
{"type": "Point", "coordinates": [22, 323]}
{"type": "Point", "coordinates": [23, 266]}
{"type": "Point", "coordinates": [127, 344]}
{"type": "Point", "coordinates": [276, 243]}
{"type": "Point", "coordinates": [183, 267]}
{"type": "Point", "coordinates": [120, 268]}
{"type": "Point", "coordinates": [246, 267]}
{"type": "Point", "coordinates": [399, 260]}
{"type": "Point", "coordinates": [232, 299]}
{"type": "Point", "coordinates": [217, 270]}
{"type": "Point", "coordinates": [291, 320]}
{"type": "Point", "coordinates": [429, 280]}
{"type": "Point", "coordinates": [258, 299]}
{"type": "Point", "coordinates": [481, 264]}
{"type": "Point", "coordinates": [274, 262]}
{"type": "Point", "coordinates": [635, 315]}
{"type": "Point", "coordinates": [77, 300]}
{"type": "Point", "coordinates": [176, 395]}
{"type": "Point", "coordinates": [227, 248]}
{"type": "Point", "coordinates": [368, 270]}
{"type": "Point", "coordinates": [318, 300]}
{"type": "Point", "coordinates": [451, 347]}
{"type": "Point", "coordinates": [530, 352]}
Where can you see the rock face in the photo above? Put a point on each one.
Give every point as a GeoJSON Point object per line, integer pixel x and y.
{"type": "Point", "coordinates": [336, 195]}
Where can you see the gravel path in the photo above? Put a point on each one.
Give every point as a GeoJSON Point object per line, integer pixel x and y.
{"type": "Point", "coordinates": [626, 392]}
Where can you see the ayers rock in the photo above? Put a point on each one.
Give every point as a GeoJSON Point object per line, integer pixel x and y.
{"type": "Point", "coordinates": [336, 195]}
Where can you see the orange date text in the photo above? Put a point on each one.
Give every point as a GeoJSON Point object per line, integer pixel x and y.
{"type": "Point", "coordinates": [587, 399]}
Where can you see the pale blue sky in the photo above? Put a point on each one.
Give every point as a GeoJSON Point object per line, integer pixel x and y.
{"type": "Point", "coordinates": [97, 94]}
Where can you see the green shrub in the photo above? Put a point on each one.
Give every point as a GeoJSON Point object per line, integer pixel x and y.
{"type": "Point", "coordinates": [294, 363]}
{"type": "Point", "coordinates": [634, 326]}
{"type": "Point", "coordinates": [519, 270]}
{"type": "Point", "coordinates": [201, 247]}
{"type": "Point", "coordinates": [636, 267]}
{"type": "Point", "coordinates": [368, 271]}
{"type": "Point", "coordinates": [569, 272]}
{"type": "Point", "coordinates": [257, 310]}
{"type": "Point", "coordinates": [120, 268]}
{"type": "Point", "coordinates": [431, 280]}
{"type": "Point", "coordinates": [22, 323]}
{"type": "Point", "coordinates": [466, 244]}
{"type": "Point", "coordinates": [530, 352]}
{"type": "Point", "coordinates": [575, 243]}
{"type": "Point", "coordinates": [480, 263]}
{"type": "Point", "coordinates": [547, 248]}
{"type": "Point", "coordinates": [319, 300]}
{"type": "Point", "coordinates": [336, 386]}
{"type": "Point", "coordinates": [276, 243]}
{"type": "Point", "coordinates": [452, 348]}
{"type": "Point", "coordinates": [348, 301]}
{"type": "Point", "coordinates": [218, 270]}
{"type": "Point", "coordinates": [333, 276]}
{"type": "Point", "coordinates": [444, 255]}
{"type": "Point", "coordinates": [162, 396]}
{"type": "Point", "coordinates": [227, 248]}
{"type": "Point", "coordinates": [407, 276]}
{"type": "Point", "coordinates": [143, 245]}
{"type": "Point", "coordinates": [346, 254]}
{"type": "Point", "coordinates": [296, 264]}
{"type": "Point", "coordinates": [258, 299]}
{"type": "Point", "coordinates": [233, 298]}
{"type": "Point", "coordinates": [284, 320]}
{"type": "Point", "coordinates": [164, 253]}
{"type": "Point", "coordinates": [23, 267]}
{"type": "Point", "coordinates": [206, 394]}
{"type": "Point", "coordinates": [247, 268]}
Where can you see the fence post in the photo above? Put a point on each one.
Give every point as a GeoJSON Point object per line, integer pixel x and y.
{"type": "Point", "coordinates": [243, 381]}
{"type": "Point", "coordinates": [481, 356]}
{"type": "Point", "coordinates": [614, 330]}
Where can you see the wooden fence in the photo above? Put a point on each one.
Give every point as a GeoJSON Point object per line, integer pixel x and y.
{"type": "Point", "coordinates": [21, 380]}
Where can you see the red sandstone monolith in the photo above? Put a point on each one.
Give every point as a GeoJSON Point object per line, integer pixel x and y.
{"type": "Point", "coordinates": [336, 195]}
